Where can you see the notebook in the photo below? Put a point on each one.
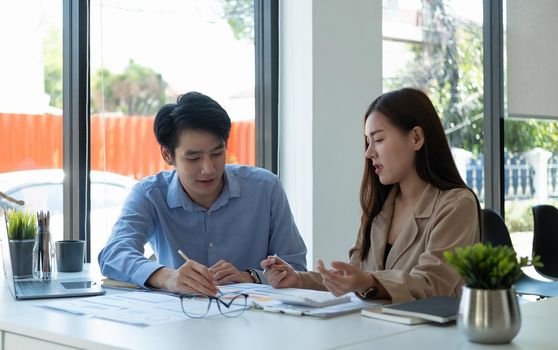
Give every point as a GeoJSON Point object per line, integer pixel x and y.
{"type": "Point", "coordinates": [110, 283]}
{"type": "Point", "coordinates": [376, 312]}
{"type": "Point", "coordinates": [440, 309]}
{"type": "Point", "coordinates": [40, 289]}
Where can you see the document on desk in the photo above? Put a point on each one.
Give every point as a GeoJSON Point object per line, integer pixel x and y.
{"type": "Point", "coordinates": [148, 308]}
{"type": "Point", "coordinates": [257, 293]}
{"type": "Point", "coordinates": [135, 308]}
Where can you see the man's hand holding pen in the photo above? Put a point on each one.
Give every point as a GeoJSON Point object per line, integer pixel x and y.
{"type": "Point", "coordinates": [224, 272]}
{"type": "Point", "coordinates": [191, 277]}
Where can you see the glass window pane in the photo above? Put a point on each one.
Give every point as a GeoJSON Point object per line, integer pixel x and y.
{"type": "Point", "coordinates": [530, 144]}
{"type": "Point", "coordinates": [31, 106]}
{"type": "Point", "coordinates": [436, 46]}
{"type": "Point", "coordinates": [143, 55]}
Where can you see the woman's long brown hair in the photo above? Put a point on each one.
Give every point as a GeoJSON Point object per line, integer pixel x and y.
{"type": "Point", "coordinates": [405, 109]}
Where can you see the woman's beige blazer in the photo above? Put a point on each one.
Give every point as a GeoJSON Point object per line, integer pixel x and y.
{"type": "Point", "coordinates": [415, 267]}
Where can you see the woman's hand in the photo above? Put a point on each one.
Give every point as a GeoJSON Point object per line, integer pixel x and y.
{"type": "Point", "coordinates": [343, 278]}
{"type": "Point", "coordinates": [280, 274]}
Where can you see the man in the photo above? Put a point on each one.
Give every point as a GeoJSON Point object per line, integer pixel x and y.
{"type": "Point", "coordinates": [225, 218]}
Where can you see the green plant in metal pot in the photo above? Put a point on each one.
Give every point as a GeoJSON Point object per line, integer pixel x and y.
{"type": "Point", "coordinates": [488, 309]}
{"type": "Point", "coordinates": [483, 266]}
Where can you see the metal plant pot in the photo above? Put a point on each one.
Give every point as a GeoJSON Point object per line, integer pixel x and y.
{"type": "Point", "coordinates": [489, 316]}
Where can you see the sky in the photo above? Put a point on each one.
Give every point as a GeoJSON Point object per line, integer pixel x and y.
{"type": "Point", "coordinates": [187, 41]}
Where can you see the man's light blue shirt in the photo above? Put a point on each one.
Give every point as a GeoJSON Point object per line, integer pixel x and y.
{"type": "Point", "coordinates": [248, 221]}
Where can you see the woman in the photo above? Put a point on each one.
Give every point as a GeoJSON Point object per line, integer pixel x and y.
{"type": "Point", "coordinates": [414, 205]}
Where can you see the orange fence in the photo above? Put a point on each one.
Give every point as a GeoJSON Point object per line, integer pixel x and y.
{"type": "Point", "coordinates": [124, 145]}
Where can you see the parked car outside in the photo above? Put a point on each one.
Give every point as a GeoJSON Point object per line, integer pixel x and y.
{"type": "Point", "coordinates": [42, 190]}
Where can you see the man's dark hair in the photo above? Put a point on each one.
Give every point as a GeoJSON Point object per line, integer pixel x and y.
{"type": "Point", "coordinates": [192, 111]}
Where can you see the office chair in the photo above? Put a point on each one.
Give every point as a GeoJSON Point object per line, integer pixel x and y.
{"type": "Point", "coordinates": [545, 239]}
{"type": "Point", "coordinates": [496, 233]}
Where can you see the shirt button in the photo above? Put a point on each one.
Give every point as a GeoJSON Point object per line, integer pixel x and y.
{"type": "Point", "coordinates": [210, 244]}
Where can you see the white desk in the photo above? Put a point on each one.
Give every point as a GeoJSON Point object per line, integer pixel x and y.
{"type": "Point", "coordinates": [25, 326]}
{"type": "Point", "coordinates": [538, 332]}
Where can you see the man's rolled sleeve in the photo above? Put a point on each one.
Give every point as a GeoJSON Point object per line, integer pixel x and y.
{"type": "Point", "coordinates": [122, 258]}
{"type": "Point", "coordinates": [285, 240]}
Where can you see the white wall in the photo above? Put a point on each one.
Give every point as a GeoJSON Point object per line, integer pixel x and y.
{"type": "Point", "coordinates": [330, 71]}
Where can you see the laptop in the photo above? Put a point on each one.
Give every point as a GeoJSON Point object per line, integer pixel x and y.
{"type": "Point", "coordinates": [30, 288]}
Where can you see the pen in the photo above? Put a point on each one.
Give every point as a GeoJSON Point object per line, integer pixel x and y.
{"type": "Point", "coordinates": [184, 256]}
{"type": "Point", "coordinates": [285, 311]}
{"type": "Point", "coordinates": [265, 270]}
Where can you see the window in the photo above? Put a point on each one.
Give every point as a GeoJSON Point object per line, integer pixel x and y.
{"type": "Point", "coordinates": [436, 46]}
{"type": "Point", "coordinates": [530, 127]}
{"type": "Point", "coordinates": [31, 105]}
{"type": "Point", "coordinates": [171, 47]}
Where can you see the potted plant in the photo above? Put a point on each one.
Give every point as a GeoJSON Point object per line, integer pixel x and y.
{"type": "Point", "coordinates": [488, 309]}
{"type": "Point", "coordinates": [22, 228]}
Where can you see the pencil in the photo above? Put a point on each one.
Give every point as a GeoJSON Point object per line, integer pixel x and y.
{"type": "Point", "coordinates": [184, 256]}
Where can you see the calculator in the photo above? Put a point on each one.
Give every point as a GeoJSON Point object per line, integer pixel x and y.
{"type": "Point", "coordinates": [306, 297]}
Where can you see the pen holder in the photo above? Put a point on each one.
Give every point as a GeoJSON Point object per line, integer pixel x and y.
{"type": "Point", "coordinates": [69, 255]}
{"type": "Point", "coordinates": [44, 255]}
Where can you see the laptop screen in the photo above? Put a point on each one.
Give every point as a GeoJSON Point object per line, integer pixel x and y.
{"type": "Point", "coordinates": [6, 259]}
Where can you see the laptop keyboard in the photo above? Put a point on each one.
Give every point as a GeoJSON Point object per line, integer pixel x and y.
{"type": "Point", "coordinates": [36, 287]}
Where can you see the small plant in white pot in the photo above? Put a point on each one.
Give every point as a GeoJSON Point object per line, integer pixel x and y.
{"type": "Point", "coordinates": [488, 310]}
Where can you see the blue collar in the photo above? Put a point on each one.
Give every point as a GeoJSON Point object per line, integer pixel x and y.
{"type": "Point", "coordinates": [177, 197]}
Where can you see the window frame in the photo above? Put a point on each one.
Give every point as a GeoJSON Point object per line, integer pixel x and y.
{"type": "Point", "coordinates": [266, 34]}
{"type": "Point", "coordinates": [76, 109]}
{"type": "Point", "coordinates": [75, 51]}
{"type": "Point", "coordinates": [493, 67]}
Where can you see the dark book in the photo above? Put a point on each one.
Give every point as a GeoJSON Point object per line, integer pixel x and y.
{"type": "Point", "coordinates": [439, 309]}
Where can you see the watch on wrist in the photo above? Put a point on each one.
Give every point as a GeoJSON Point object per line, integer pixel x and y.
{"type": "Point", "coordinates": [254, 276]}
{"type": "Point", "coordinates": [370, 292]}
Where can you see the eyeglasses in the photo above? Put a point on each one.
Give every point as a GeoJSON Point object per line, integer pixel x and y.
{"type": "Point", "coordinates": [229, 304]}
